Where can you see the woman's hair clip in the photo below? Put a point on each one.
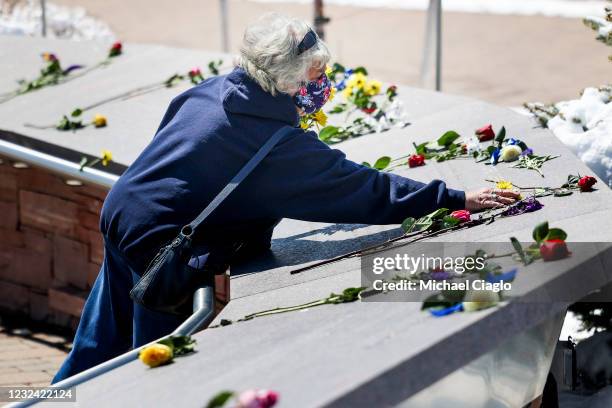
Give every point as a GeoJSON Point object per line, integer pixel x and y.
{"type": "Point", "coordinates": [309, 40]}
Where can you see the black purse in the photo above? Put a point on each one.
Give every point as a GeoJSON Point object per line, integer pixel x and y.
{"type": "Point", "coordinates": [169, 282]}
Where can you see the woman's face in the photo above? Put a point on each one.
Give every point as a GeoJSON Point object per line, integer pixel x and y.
{"type": "Point", "coordinates": [313, 74]}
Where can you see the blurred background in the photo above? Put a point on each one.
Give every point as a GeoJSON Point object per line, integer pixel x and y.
{"type": "Point", "coordinates": [503, 51]}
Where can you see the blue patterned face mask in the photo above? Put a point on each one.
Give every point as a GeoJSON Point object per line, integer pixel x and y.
{"type": "Point", "coordinates": [312, 96]}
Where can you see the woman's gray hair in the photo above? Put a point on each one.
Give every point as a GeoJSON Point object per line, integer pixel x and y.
{"type": "Point", "coordinates": [269, 53]}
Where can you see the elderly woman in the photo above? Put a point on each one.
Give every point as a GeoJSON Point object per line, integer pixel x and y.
{"type": "Point", "coordinates": [207, 134]}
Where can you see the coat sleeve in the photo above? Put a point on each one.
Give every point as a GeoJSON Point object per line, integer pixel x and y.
{"type": "Point", "coordinates": [313, 182]}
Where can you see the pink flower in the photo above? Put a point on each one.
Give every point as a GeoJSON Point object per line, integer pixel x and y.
{"type": "Point", "coordinates": [303, 91]}
{"type": "Point", "coordinates": [257, 399]}
{"type": "Point", "coordinates": [195, 72]}
{"type": "Point", "coordinates": [485, 133]}
{"type": "Point", "coordinates": [461, 215]}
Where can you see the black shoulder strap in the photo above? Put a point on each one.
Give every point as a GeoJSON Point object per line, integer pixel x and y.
{"type": "Point", "coordinates": [238, 178]}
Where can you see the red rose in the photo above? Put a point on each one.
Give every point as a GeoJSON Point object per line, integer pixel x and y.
{"type": "Point", "coordinates": [554, 249]}
{"type": "Point", "coordinates": [369, 111]}
{"type": "Point", "coordinates": [115, 50]}
{"type": "Point", "coordinates": [195, 72]}
{"type": "Point", "coordinates": [461, 215]}
{"type": "Point", "coordinates": [586, 183]}
{"type": "Point", "coordinates": [416, 160]}
{"type": "Point", "coordinates": [485, 133]}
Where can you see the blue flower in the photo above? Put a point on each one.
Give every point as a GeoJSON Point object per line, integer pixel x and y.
{"type": "Point", "coordinates": [527, 152]}
{"type": "Point", "coordinates": [495, 156]}
{"type": "Point", "coordinates": [447, 310]}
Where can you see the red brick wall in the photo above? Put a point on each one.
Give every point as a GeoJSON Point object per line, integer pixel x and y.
{"type": "Point", "coordinates": [51, 248]}
{"type": "Point", "coordinates": [50, 245]}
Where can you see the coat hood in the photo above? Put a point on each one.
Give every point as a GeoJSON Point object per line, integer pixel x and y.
{"type": "Point", "coordinates": [242, 95]}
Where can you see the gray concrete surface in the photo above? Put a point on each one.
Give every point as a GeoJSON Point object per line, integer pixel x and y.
{"type": "Point", "coordinates": [356, 354]}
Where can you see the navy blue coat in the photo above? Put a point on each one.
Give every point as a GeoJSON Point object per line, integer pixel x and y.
{"type": "Point", "coordinates": [207, 134]}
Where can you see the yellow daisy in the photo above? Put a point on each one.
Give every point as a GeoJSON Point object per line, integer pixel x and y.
{"type": "Point", "coordinates": [504, 185]}
{"type": "Point", "coordinates": [357, 80]}
{"type": "Point", "coordinates": [320, 117]}
{"type": "Point", "coordinates": [373, 87]}
{"type": "Point", "coordinates": [332, 93]}
{"type": "Point", "coordinates": [348, 91]}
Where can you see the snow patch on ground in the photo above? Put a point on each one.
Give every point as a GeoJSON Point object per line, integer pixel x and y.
{"type": "Point", "coordinates": [585, 126]}
{"type": "Point", "coordinates": [62, 22]}
{"type": "Point", "coordinates": [560, 8]}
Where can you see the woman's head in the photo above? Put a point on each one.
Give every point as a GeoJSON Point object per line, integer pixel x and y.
{"type": "Point", "coordinates": [270, 54]}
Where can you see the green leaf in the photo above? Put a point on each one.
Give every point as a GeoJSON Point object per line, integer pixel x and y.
{"type": "Point", "coordinates": [420, 149]}
{"type": "Point", "coordinates": [562, 192]}
{"type": "Point", "coordinates": [501, 135]}
{"type": "Point", "coordinates": [382, 163]}
{"type": "Point", "coordinates": [361, 69]}
{"type": "Point", "coordinates": [436, 300]}
{"type": "Point", "coordinates": [76, 112]}
{"type": "Point", "coordinates": [408, 224]}
{"type": "Point", "coordinates": [366, 164]}
{"type": "Point", "coordinates": [328, 132]}
{"type": "Point", "coordinates": [519, 250]}
{"type": "Point", "coordinates": [220, 399]}
{"type": "Point", "coordinates": [449, 221]}
{"type": "Point", "coordinates": [438, 214]}
{"type": "Point", "coordinates": [540, 232]}
{"type": "Point", "coordinates": [448, 138]}
{"type": "Point", "coordinates": [556, 233]}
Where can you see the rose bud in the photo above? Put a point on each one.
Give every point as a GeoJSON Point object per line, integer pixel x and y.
{"type": "Point", "coordinates": [485, 133]}
{"type": "Point", "coordinates": [586, 183]}
{"type": "Point", "coordinates": [554, 249]}
{"type": "Point", "coordinates": [257, 399]}
{"type": "Point", "coordinates": [416, 160]}
{"type": "Point", "coordinates": [461, 215]}
{"type": "Point", "coordinates": [156, 355]}
{"type": "Point", "coordinates": [369, 111]}
{"type": "Point", "coordinates": [195, 72]}
{"type": "Point", "coordinates": [115, 49]}
{"type": "Point", "coordinates": [49, 57]}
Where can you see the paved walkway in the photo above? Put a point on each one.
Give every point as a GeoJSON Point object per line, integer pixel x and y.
{"type": "Point", "coordinates": [29, 357]}
{"type": "Point", "coordinates": [503, 59]}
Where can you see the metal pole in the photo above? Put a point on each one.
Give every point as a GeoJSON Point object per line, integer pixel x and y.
{"type": "Point", "coordinates": [432, 45]}
{"type": "Point", "coordinates": [203, 314]}
{"type": "Point", "coordinates": [224, 26]}
{"type": "Point", "coordinates": [319, 19]}
{"type": "Point", "coordinates": [43, 17]}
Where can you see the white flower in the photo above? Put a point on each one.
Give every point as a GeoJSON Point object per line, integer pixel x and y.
{"type": "Point", "coordinates": [480, 299]}
{"type": "Point", "coordinates": [473, 145]}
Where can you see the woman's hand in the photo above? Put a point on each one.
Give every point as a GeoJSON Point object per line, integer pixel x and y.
{"type": "Point", "coordinates": [489, 198]}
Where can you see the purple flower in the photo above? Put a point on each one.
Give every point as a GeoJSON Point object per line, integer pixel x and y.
{"type": "Point", "coordinates": [71, 68]}
{"type": "Point", "coordinates": [527, 152]}
{"type": "Point", "coordinates": [529, 204]}
{"type": "Point", "coordinates": [439, 274]}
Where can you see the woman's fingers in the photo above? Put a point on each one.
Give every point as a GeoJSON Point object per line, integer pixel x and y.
{"type": "Point", "coordinates": [508, 193]}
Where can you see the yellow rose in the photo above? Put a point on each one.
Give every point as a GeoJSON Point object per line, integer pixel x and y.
{"type": "Point", "coordinates": [504, 185]}
{"type": "Point", "coordinates": [320, 117]}
{"type": "Point", "coordinates": [107, 157]}
{"type": "Point", "coordinates": [373, 87]}
{"type": "Point", "coordinates": [99, 120]}
{"type": "Point", "coordinates": [156, 355]}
